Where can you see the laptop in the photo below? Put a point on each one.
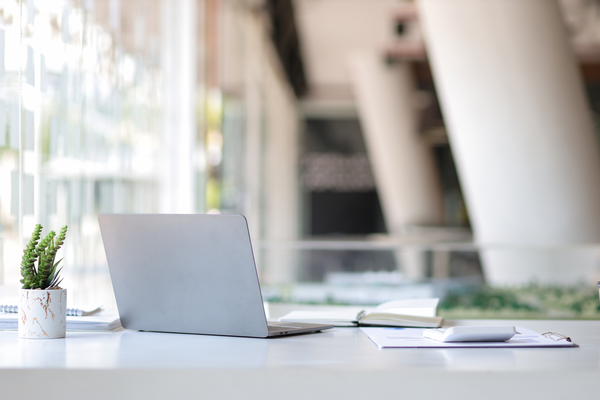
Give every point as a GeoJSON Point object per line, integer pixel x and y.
{"type": "Point", "coordinates": [188, 273]}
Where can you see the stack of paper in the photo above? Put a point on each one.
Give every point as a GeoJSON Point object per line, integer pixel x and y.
{"type": "Point", "coordinates": [75, 311]}
{"type": "Point", "coordinates": [105, 320]}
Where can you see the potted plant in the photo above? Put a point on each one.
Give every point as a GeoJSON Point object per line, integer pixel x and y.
{"type": "Point", "coordinates": [42, 302]}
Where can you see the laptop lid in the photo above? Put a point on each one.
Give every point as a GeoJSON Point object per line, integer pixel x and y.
{"type": "Point", "coordinates": [184, 273]}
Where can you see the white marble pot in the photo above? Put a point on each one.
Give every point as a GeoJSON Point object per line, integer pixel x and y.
{"type": "Point", "coordinates": [42, 314]}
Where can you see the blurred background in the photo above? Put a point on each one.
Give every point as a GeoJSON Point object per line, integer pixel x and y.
{"type": "Point", "coordinates": [379, 149]}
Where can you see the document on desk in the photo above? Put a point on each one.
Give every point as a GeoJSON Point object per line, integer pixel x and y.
{"type": "Point", "coordinates": [104, 320]}
{"type": "Point", "coordinates": [413, 338]}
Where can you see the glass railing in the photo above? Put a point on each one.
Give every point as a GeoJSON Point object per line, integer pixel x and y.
{"type": "Point", "coordinates": [471, 280]}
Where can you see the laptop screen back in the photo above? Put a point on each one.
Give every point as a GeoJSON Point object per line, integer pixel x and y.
{"type": "Point", "coordinates": [184, 273]}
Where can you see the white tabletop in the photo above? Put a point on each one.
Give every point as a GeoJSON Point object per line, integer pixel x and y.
{"type": "Point", "coordinates": [337, 362]}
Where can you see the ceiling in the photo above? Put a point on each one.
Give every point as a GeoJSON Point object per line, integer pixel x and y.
{"type": "Point", "coordinates": [332, 30]}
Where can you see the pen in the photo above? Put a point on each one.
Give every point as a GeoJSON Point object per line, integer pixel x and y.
{"type": "Point", "coordinates": [360, 314]}
{"type": "Point", "coordinates": [556, 336]}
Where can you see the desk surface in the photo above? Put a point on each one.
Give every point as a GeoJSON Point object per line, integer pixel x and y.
{"type": "Point", "coordinates": [337, 362]}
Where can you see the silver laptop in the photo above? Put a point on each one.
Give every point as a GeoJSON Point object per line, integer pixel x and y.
{"type": "Point", "coordinates": [188, 274]}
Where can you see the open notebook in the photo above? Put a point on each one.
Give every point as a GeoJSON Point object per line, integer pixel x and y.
{"type": "Point", "coordinates": [403, 312]}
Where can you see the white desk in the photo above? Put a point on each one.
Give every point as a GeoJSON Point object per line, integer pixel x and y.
{"type": "Point", "coordinates": [339, 363]}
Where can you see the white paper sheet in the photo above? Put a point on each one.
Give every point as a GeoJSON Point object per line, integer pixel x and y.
{"type": "Point", "coordinates": [413, 337]}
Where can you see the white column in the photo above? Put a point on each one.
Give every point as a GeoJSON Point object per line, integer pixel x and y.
{"type": "Point", "coordinates": [520, 132]}
{"type": "Point", "coordinates": [404, 168]}
{"type": "Point", "coordinates": [178, 57]}
{"type": "Point", "coordinates": [403, 165]}
{"type": "Point", "coordinates": [281, 191]}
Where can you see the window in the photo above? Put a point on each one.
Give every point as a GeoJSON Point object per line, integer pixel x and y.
{"type": "Point", "coordinates": [88, 141]}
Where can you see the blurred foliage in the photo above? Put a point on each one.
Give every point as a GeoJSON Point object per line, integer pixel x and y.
{"type": "Point", "coordinates": [532, 301]}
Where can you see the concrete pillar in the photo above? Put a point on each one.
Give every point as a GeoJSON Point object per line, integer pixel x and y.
{"type": "Point", "coordinates": [281, 191]}
{"type": "Point", "coordinates": [403, 165]}
{"type": "Point", "coordinates": [521, 134]}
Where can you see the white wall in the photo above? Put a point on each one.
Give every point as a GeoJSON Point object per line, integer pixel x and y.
{"type": "Point", "coordinates": [272, 129]}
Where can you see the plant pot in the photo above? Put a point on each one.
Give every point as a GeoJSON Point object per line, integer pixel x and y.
{"type": "Point", "coordinates": [42, 314]}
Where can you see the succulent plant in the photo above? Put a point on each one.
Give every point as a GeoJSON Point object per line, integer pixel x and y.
{"type": "Point", "coordinates": [45, 275]}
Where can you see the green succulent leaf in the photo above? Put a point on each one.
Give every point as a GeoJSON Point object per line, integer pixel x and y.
{"type": "Point", "coordinates": [43, 252]}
